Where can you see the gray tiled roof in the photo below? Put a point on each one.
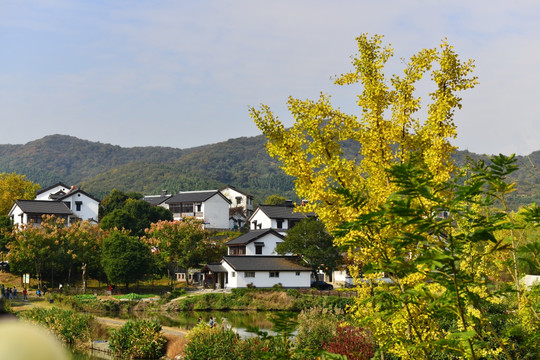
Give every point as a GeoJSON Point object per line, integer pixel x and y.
{"type": "Point", "coordinates": [78, 191]}
{"type": "Point", "coordinates": [157, 199]}
{"type": "Point", "coordinates": [251, 236]}
{"type": "Point", "coordinates": [216, 268]}
{"type": "Point", "coordinates": [263, 263]}
{"type": "Point", "coordinates": [52, 187]}
{"type": "Point", "coordinates": [283, 212]}
{"type": "Point", "coordinates": [194, 196]}
{"type": "Point", "coordinates": [43, 207]}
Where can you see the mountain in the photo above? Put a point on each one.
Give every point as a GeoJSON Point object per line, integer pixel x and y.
{"type": "Point", "coordinates": [242, 162]}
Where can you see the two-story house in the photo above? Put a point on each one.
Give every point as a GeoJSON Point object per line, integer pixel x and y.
{"type": "Point", "coordinates": [59, 200]}
{"type": "Point", "coordinates": [278, 217]}
{"type": "Point", "coordinates": [211, 206]}
{"type": "Point", "coordinates": [241, 206]}
{"type": "Point", "coordinates": [252, 261]}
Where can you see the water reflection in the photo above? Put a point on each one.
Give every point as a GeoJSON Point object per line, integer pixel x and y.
{"type": "Point", "coordinates": [189, 319]}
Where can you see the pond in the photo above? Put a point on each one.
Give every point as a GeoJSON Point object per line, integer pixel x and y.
{"type": "Point", "coordinates": [239, 321]}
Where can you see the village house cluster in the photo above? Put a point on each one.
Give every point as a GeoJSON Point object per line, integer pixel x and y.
{"type": "Point", "coordinates": [251, 259]}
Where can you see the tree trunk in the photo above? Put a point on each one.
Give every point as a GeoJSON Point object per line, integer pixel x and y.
{"type": "Point", "coordinates": [83, 268]}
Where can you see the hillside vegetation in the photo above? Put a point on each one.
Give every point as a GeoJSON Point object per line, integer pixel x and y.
{"type": "Point", "coordinates": [242, 162]}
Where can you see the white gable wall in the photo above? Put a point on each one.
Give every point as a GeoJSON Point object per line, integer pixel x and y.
{"type": "Point", "coordinates": [260, 220]}
{"type": "Point", "coordinates": [216, 212]}
{"type": "Point", "coordinates": [88, 207]}
{"type": "Point", "coordinates": [16, 213]}
{"type": "Point", "coordinates": [235, 196]}
{"type": "Point", "coordinates": [45, 195]}
{"type": "Point", "coordinates": [270, 242]}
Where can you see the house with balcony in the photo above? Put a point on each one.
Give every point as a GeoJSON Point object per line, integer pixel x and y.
{"type": "Point", "coordinates": [210, 206]}
{"type": "Point", "coordinates": [241, 206]}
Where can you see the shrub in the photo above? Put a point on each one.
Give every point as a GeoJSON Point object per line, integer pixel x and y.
{"type": "Point", "coordinates": [210, 343]}
{"type": "Point", "coordinates": [133, 296]}
{"type": "Point", "coordinates": [138, 339]}
{"type": "Point", "coordinates": [356, 343]}
{"type": "Point", "coordinates": [315, 326]}
{"type": "Point", "coordinates": [251, 349]}
{"type": "Point", "coordinates": [293, 293]}
{"type": "Point", "coordinates": [66, 324]}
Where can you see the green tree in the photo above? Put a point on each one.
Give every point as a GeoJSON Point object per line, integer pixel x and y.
{"type": "Point", "coordinates": [386, 130]}
{"type": "Point", "coordinates": [178, 244]}
{"type": "Point", "coordinates": [38, 250]}
{"type": "Point", "coordinates": [436, 243]}
{"type": "Point", "coordinates": [116, 200]}
{"type": "Point", "coordinates": [135, 216]}
{"type": "Point", "coordinates": [275, 199]}
{"type": "Point", "coordinates": [15, 187]}
{"type": "Point", "coordinates": [83, 244]}
{"type": "Point", "coordinates": [6, 227]}
{"type": "Point", "coordinates": [313, 244]}
{"type": "Point", "coordinates": [125, 258]}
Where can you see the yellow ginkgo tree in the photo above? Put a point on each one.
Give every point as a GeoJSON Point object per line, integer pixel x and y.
{"type": "Point", "coordinates": [393, 125]}
{"type": "Point", "coordinates": [387, 129]}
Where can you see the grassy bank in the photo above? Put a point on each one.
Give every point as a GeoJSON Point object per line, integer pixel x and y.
{"type": "Point", "coordinates": [257, 299]}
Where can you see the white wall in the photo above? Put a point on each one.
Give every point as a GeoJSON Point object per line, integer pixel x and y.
{"type": "Point", "coordinates": [261, 218]}
{"type": "Point", "coordinates": [232, 194]}
{"type": "Point", "coordinates": [45, 195]}
{"type": "Point", "coordinates": [16, 215]}
{"type": "Point", "coordinates": [216, 212]}
{"type": "Point", "coordinates": [89, 208]}
{"type": "Point", "coordinates": [270, 242]}
{"type": "Point", "coordinates": [263, 279]}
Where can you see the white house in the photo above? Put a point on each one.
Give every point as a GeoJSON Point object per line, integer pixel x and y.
{"type": "Point", "coordinates": [252, 261]}
{"type": "Point", "coordinates": [32, 211]}
{"type": "Point", "coordinates": [279, 217]}
{"type": "Point", "coordinates": [241, 206]}
{"type": "Point", "coordinates": [83, 205]}
{"type": "Point", "coordinates": [211, 206]}
{"type": "Point", "coordinates": [255, 242]}
{"type": "Point", "coordinates": [59, 200]}
{"type": "Point", "coordinates": [156, 200]}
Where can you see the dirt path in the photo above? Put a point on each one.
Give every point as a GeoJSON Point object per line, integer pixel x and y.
{"type": "Point", "coordinates": [119, 322]}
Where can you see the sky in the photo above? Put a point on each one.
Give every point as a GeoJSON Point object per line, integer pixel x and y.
{"type": "Point", "coordinates": [184, 73]}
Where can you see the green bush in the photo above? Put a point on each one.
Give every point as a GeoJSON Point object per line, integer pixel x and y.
{"type": "Point", "coordinates": [211, 343]}
{"type": "Point", "coordinates": [133, 296]}
{"type": "Point", "coordinates": [293, 293]}
{"type": "Point", "coordinates": [69, 326]}
{"type": "Point", "coordinates": [316, 326]}
{"type": "Point", "coordinates": [139, 339]}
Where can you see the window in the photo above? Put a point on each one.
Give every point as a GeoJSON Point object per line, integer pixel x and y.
{"type": "Point", "coordinates": [238, 200]}
{"type": "Point", "coordinates": [298, 273]}
{"type": "Point", "coordinates": [233, 274]}
{"type": "Point", "coordinates": [249, 274]}
{"type": "Point", "coordinates": [237, 250]}
{"type": "Point", "coordinates": [181, 208]}
{"type": "Point", "coordinates": [279, 223]}
{"type": "Point", "coordinates": [78, 205]}
{"type": "Point", "coordinates": [258, 248]}
{"type": "Point", "coordinates": [274, 274]}
{"type": "Point", "coordinates": [199, 207]}
{"type": "Point", "coordinates": [68, 204]}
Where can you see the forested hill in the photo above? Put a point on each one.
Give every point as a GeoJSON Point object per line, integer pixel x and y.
{"type": "Point", "coordinates": [241, 162]}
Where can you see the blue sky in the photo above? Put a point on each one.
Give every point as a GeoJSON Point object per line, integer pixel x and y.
{"type": "Point", "coordinates": [183, 73]}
